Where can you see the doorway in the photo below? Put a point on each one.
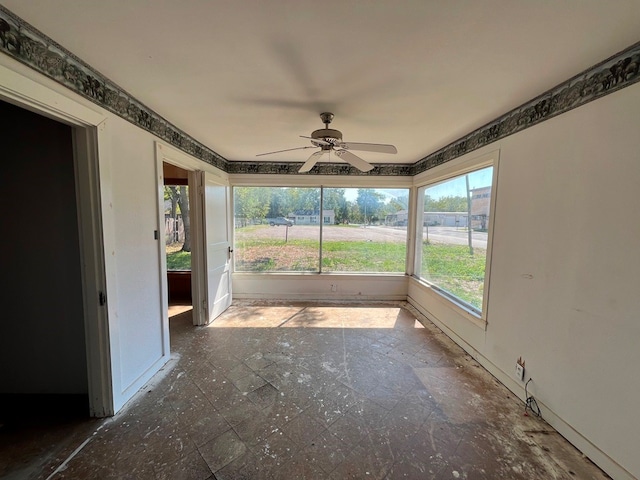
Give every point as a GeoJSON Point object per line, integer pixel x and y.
{"type": "Point", "coordinates": [177, 238]}
{"type": "Point", "coordinates": [44, 386]}
{"type": "Point", "coordinates": [210, 227]}
{"type": "Point", "coordinates": [42, 335]}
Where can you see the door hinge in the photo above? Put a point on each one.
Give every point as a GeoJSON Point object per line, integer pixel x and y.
{"type": "Point", "coordinates": [102, 298]}
{"type": "Point", "coordinates": [204, 305]}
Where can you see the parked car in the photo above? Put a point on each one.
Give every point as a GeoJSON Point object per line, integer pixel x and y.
{"type": "Point", "coordinates": [281, 221]}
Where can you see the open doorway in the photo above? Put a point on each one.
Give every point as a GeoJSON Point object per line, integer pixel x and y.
{"type": "Point", "coordinates": [210, 227]}
{"type": "Point", "coordinates": [44, 385]}
{"type": "Point", "coordinates": [177, 238]}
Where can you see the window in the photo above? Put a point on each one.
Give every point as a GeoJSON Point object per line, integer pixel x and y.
{"type": "Point", "coordinates": [367, 231]}
{"type": "Point", "coordinates": [177, 227]}
{"type": "Point", "coordinates": [278, 229]}
{"type": "Point", "coordinates": [453, 236]}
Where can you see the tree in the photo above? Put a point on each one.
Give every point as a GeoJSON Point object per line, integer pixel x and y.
{"type": "Point", "coordinates": [355, 216]}
{"type": "Point", "coordinates": [304, 199]}
{"type": "Point", "coordinates": [278, 207]}
{"type": "Point", "coordinates": [398, 203]}
{"type": "Point", "coordinates": [179, 197]}
{"type": "Point", "coordinates": [335, 200]}
{"type": "Point", "coordinates": [445, 204]}
{"type": "Point", "coordinates": [252, 203]}
{"type": "Point", "coordinates": [170, 194]}
{"type": "Point", "coordinates": [369, 201]}
{"type": "Point", "coordinates": [183, 203]}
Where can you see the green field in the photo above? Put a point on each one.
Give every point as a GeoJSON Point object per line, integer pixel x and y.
{"type": "Point", "coordinates": [454, 269]}
{"type": "Point", "coordinates": [451, 267]}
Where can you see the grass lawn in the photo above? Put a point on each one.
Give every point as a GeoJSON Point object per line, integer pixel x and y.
{"type": "Point", "coordinates": [349, 256]}
{"type": "Point", "coordinates": [450, 267]}
{"type": "Point", "coordinates": [177, 259]}
{"type": "Point", "coordinates": [454, 269]}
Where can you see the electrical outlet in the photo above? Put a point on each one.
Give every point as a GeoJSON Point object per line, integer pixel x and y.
{"type": "Point", "coordinates": [334, 288]}
{"type": "Point", "coordinates": [520, 369]}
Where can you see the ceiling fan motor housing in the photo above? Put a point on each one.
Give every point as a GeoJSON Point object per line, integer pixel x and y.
{"type": "Point", "coordinates": [328, 135]}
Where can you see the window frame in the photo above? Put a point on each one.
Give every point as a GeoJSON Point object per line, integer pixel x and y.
{"type": "Point", "coordinates": [430, 178]}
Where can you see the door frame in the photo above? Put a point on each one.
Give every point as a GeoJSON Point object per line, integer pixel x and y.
{"type": "Point", "coordinates": [89, 131]}
{"type": "Point", "coordinates": [169, 154]}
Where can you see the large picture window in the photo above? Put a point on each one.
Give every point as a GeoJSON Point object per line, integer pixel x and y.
{"type": "Point", "coordinates": [453, 234]}
{"type": "Point", "coordinates": [290, 229]}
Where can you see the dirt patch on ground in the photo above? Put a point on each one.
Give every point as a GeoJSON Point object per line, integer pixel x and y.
{"type": "Point", "coordinates": [330, 232]}
{"type": "Point", "coordinates": [278, 257]}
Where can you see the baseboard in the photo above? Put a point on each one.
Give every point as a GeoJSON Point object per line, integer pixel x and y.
{"type": "Point", "coordinates": [320, 297]}
{"type": "Point", "coordinates": [591, 451]}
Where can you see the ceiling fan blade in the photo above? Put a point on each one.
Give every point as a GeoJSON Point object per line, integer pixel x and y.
{"type": "Point", "coordinates": [368, 147]}
{"type": "Point", "coordinates": [354, 160]}
{"type": "Point", "coordinates": [317, 140]}
{"type": "Point", "coordinates": [310, 163]}
{"type": "Point", "coordinates": [286, 150]}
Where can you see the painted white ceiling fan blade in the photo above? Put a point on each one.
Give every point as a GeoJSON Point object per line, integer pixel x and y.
{"type": "Point", "coordinates": [354, 160]}
{"type": "Point", "coordinates": [368, 147]}
{"type": "Point", "coordinates": [317, 140]}
{"type": "Point", "coordinates": [310, 163]}
{"type": "Point", "coordinates": [285, 150]}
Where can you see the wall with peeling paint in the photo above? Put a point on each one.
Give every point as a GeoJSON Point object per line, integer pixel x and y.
{"type": "Point", "coordinates": [564, 276]}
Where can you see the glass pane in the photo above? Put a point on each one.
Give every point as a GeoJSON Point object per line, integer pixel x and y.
{"type": "Point", "coordinates": [277, 229]}
{"type": "Point", "coordinates": [454, 248]}
{"type": "Point", "coordinates": [177, 231]}
{"type": "Point", "coordinates": [364, 230]}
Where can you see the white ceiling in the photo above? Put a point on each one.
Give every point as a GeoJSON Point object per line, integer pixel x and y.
{"type": "Point", "coordinates": [250, 76]}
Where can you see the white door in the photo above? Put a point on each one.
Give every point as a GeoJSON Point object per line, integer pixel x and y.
{"type": "Point", "coordinates": [217, 246]}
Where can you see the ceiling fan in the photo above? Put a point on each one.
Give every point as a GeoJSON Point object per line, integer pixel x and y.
{"type": "Point", "coordinates": [330, 140]}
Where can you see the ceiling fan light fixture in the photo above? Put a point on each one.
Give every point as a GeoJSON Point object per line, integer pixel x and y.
{"type": "Point", "coordinates": [328, 139]}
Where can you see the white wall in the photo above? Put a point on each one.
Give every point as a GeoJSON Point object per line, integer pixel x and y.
{"type": "Point", "coordinates": [138, 324]}
{"type": "Point", "coordinates": [564, 276]}
{"type": "Point", "coordinates": [282, 286]}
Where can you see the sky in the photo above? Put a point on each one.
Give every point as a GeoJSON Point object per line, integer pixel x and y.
{"type": "Point", "coordinates": [458, 186]}
{"type": "Point", "coordinates": [446, 188]}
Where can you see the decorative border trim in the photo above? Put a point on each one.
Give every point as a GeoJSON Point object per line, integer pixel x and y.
{"type": "Point", "coordinates": [617, 72]}
{"type": "Point", "coordinates": [31, 47]}
{"type": "Point", "coordinates": [288, 168]}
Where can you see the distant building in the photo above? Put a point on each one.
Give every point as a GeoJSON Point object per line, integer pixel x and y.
{"type": "Point", "coordinates": [445, 219]}
{"type": "Point", "coordinates": [480, 203]}
{"type": "Point", "coordinates": [311, 217]}
{"type": "Point", "coordinates": [398, 219]}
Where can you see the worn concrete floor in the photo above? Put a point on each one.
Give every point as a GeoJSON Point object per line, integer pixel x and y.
{"type": "Point", "coordinates": [302, 391]}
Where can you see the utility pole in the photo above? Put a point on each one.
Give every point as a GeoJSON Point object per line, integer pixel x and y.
{"type": "Point", "coordinates": [469, 215]}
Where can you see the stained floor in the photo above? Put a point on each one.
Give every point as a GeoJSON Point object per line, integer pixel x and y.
{"type": "Point", "coordinates": [301, 391]}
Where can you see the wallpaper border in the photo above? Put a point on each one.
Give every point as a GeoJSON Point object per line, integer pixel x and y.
{"type": "Point", "coordinates": [31, 47]}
